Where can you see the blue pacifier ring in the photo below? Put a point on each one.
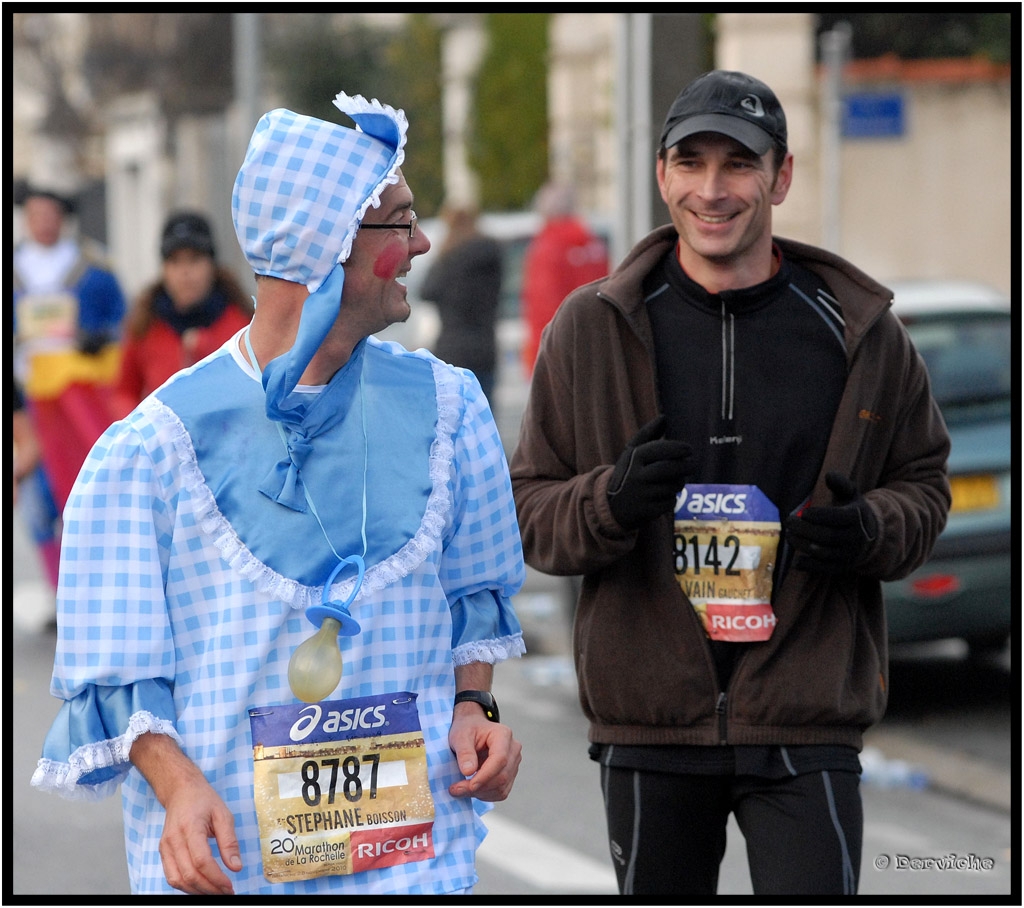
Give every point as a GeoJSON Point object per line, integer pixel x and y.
{"type": "Point", "coordinates": [339, 610]}
{"type": "Point", "coordinates": [349, 626]}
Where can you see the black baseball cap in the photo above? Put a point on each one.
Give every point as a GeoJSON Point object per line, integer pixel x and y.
{"type": "Point", "coordinates": [731, 103]}
{"type": "Point", "coordinates": [187, 230]}
{"type": "Point", "coordinates": [23, 191]}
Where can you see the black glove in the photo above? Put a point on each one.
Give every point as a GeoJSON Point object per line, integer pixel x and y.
{"type": "Point", "coordinates": [648, 475]}
{"type": "Point", "coordinates": [92, 342]}
{"type": "Point", "coordinates": [833, 539]}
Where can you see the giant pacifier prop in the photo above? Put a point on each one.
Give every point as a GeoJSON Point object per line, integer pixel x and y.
{"type": "Point", "coordinates": [297, 204]}
{"type": "Point", "coordinates": [315, 667]}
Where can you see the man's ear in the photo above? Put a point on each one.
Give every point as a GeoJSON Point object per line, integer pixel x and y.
{"type": "Point", "coordinates": [783, 180]}
{"type": "Point", "coordinates": [659, 170]}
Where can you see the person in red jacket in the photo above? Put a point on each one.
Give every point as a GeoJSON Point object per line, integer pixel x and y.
{"type": "Point", "coordinates": [187, 314]}
{"type": "Point", "coordinates": [563, 256]}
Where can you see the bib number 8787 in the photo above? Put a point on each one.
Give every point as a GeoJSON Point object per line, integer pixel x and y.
{"type": "Point", "coordinates": [351, 785]}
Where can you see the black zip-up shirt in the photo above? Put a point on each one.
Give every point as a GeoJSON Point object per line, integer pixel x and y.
{"type": "Point", "coordinates": [750, 378]}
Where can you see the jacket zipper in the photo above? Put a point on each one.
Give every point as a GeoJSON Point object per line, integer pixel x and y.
{"type": "Point", "coordinates": [722, 721]}
{"type": "Point", "coordinates": [728, 363]}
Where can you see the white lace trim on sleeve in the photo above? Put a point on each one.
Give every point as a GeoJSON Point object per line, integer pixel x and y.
{"type": "Point", "coordinates": [64, 778]}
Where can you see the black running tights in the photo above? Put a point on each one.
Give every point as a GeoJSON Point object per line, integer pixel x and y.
{"type": "Point", "coordinates": [667, 832]}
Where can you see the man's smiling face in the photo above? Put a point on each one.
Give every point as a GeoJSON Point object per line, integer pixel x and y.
{"type": "Point", "coordinates": [380, 260]}
{"type": "Point", "coordinates": [720, 196]}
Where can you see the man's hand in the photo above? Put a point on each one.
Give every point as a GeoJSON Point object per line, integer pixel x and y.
{"type": "Point", "coordinates": [195, 814]}
{"type": "Point", "coordinates": [486, 752]}
{"type": "Point", "coordinates": [833, 539]}
{"type": "Point", "coordinates": [648, 475]}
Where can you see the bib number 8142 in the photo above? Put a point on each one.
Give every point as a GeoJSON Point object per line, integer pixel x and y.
{"type": "Point", "coordinates": [692, 552]}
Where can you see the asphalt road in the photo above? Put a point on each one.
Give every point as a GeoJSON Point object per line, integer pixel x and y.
{"type": "Point", "coordinates": [951, 719]}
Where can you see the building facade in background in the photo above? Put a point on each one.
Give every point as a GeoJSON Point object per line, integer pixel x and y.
{"type": "Point", "coordinates": [919, 187]}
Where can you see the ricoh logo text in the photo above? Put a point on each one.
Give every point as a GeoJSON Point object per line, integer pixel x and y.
{"type": "Point", "coordinates": [408, 843]}
{"type": "Point", "coordinates": [336, 720]}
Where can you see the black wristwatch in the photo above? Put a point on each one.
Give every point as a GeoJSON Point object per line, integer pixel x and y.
{"type": "Point", "coordinates": [485, 698]}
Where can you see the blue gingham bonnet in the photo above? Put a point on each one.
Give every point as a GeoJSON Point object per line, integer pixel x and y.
{"type": "Point", "coordinates": [297, 203]}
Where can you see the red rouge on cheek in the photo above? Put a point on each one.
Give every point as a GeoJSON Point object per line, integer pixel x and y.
{"type": "Point", "coordinates": [388, 261]}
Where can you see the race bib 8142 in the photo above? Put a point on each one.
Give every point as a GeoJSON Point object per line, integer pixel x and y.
{"type": "Point", "coordinates": [724, 546]}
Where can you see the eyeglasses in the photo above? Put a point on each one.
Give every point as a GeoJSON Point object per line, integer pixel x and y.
{"type": "Point", "coordinates": [411, 226]}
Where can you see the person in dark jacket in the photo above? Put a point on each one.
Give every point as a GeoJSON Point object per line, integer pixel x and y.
{"type": "Point", "coordinates": [465, 283]}
{"type": "Point", "coordinates": [734, 441]}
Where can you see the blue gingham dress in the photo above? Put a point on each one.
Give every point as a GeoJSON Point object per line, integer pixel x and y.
{"type": "Point", "coordinates": [170, 621]}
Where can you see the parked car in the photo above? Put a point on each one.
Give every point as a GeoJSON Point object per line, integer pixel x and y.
{"type": "Point", "coordinates": [963, 331]}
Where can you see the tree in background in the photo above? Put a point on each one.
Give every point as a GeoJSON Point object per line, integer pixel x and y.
{"type": "Point", "coordinates": [313, 56]}
{"type": "Point", "coordinates": [184, 58]}
{"type": "Point", "coordinates": [413, 58]}
{"type": "Point", "coordinates": [509, 133]}
{"type": "Point", "coordinates": [310, 57]}
{"type": "Point", "coordinates": [923, 35]}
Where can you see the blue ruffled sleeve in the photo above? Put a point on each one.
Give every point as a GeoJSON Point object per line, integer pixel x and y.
{"type": "Point", "coordinates": [485, 629]}
{"type": "Point", "coordinates": [85, 754]}
{"type": "Point", "coordinates": [113, 664]}
{"type": "Point", "coordinates": [482, 565]}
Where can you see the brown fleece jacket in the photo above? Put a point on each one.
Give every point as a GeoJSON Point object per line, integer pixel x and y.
{"type": "Point", "coordinates": [644, 666]}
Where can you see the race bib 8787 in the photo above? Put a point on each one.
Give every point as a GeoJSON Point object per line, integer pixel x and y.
{"type": "Point", "coordinates": [341, 786]}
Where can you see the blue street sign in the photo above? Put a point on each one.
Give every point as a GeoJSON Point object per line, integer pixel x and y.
{"type": "Point", "coordinates": [873, 115]}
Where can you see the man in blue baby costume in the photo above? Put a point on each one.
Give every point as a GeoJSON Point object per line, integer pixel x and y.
{"type": "Point", "coordinates": [305, 469]}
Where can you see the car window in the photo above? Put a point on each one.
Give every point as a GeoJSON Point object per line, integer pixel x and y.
{"type": "Point", "coordinates": [968, 358]}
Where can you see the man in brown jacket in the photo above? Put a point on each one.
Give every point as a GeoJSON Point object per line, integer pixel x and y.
{"type": "Point", "coordinates": [734, 441]}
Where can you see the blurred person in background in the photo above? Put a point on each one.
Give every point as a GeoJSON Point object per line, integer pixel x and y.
{"type": "Point", "coordinates": [194, 307]}
{"type": "Point", "coordinates": [67, 313]}
{"type": "Point", "coordinates": [734, 441]}
{"type": "Point", "coordinates": [27, 454]}
{"type": "Point", "coordinates": [465, 283]}
{"type": "Point", "coordinates": [564, 255]}
{"type": "Point", "coordinates": [32, 494]}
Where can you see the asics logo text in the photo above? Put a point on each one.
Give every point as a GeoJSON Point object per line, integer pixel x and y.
{"type": "Point", "coordinates": [346, 719]}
